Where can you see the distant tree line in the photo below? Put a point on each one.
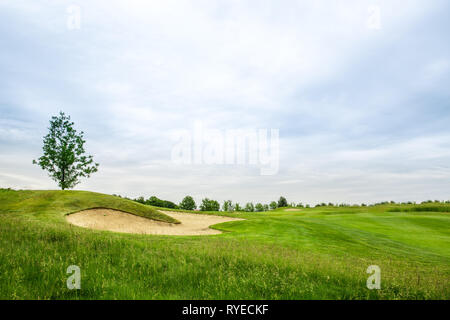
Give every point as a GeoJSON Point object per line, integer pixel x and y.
{"type": "Point", "coordinates": [188, 203]}
{"type": "Point", "coordinates": [207, 204]}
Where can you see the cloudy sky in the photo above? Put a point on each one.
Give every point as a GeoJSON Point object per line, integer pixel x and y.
{"type": "Point", "coordinates": [359, 91]}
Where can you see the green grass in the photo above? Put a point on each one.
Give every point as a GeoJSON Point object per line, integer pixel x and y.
{"type": "Point", "coordinates": [422, 208]}
{"type": "Point", "coordinates": [318, 253]}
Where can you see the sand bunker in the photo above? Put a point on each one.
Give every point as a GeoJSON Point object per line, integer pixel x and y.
{"type": "Point", "coordinates": [118, 221]}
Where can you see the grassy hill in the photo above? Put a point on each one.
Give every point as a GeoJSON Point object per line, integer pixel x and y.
{"type": "Point", "coordinates": [317, 253]}
{"type": "Point", "coordinates": [54, 205]}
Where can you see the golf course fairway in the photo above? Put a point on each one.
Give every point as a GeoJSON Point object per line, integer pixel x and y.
{"type": "Point", "coordinates": [316, 253]}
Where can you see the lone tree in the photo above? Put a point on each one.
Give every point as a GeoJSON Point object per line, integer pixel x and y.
{"type": "Point", "coordinates": [64, 156]}
{"type": "Point", "coordinates": [282, 202]}
{"type": "Point", "coordinates": [188, 203]}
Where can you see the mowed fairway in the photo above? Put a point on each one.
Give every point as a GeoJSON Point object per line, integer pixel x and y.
{"type": "Point", "coordinates": [319, 253]}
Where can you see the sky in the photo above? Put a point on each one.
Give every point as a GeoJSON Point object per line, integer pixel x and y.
{"type": "Point", "coordinates": [357, 92]}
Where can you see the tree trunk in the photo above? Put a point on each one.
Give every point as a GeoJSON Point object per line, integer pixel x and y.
{"type": "Point", "coordinates": [62, 179]}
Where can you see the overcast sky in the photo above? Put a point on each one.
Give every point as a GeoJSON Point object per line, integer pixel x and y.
{"type": "Point", "coordinates": [359, 91]}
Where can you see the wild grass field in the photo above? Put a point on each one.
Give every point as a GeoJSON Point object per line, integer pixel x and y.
{"type": "Point", "coordinates": [317, 253]}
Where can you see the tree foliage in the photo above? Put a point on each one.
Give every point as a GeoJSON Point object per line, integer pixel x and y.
{"type": "Point", "coordinates": [140, 200]}
{"type": "Point", "coordinates": [188, 203]}
{"type": "Point", "coordinates": [154, 201]}
{"type": "Point", "coordinates": [259, 207]}
{"type": "Point", "coordinates": [282, 202]}
{"type": "Point", "coordinates": [249, 207]}
{"type": "Point", "coordinates": [209, 205]}
{"type": "Point", "coordinates": [227, 206]}
{"type": "Point", "coordinates": [273, 205]}
{"type": "Point", "coordinates": [64, 155]}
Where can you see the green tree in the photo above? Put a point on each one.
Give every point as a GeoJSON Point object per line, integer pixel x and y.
{"type": "Point", "coordinates": [188, 203]}
{"type": "Point", "coordinates": [154, 201]}
{"type": "Point", "coordinates": [237, 207]}
{"type": "Point", "coordinates": [259, 207]}
{"type": "Point", "coordinates": [249, 207]}
{"type": "Point", "coordinates": [273, 205]}
{"type": "Point", "coordinates": [227, 206]}
{"type": "Point", "coordinates": [140, 200]}
{"type": "Point", "coordinates": [209, 205]}
{"type": "Point", "coordinates": [282, 202]}
{"type": "Point", "coordinates": [266, 207]}
{"type": "Point", "coordinates": [64, 155]}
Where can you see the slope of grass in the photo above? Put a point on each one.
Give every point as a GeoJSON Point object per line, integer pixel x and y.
{"type": "Point", "coordinates": [54, 205]}
{"type": "Point", "coordinates": [319, 253]}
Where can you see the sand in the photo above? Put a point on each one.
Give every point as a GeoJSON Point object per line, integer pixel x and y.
{"type": "Point", "coordinates": [119, 221]}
